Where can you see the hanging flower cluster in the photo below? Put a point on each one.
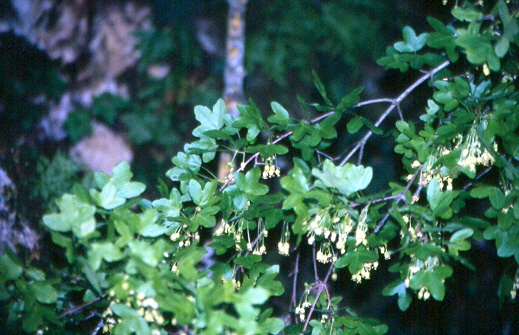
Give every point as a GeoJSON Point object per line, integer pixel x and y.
{"type": "Point", "coordinates": [146, 306]}
{"type": "Point", "coordinates": [325, 253]}
{"type": "Point", "coordinates": [183, 236]}
{"type": "Point", "coordinates": [413, 233]}
{"type": "Point", "coordinates": [240, 228]}
{"type": "Point", "coordinates": [270, 170]}
{"type": "Point", "coordinates": [417, 265]}
{"type": "Point", "coordinates": [364, 273]}
{"type": "Point", "coordinates": [304, 304]}
{"type": "Point", "coordinates": [260, 248]}
{"type": "Point", "coordinates": [284, 243]}
{"type": "Point", "coordinates": [332, 230]}
{"type": "Point", "coordinates": [235, 229]}
{"type": "Point", "coordinates": [432, 171]}
{"type": "Point", "coordinates": [472, 153]}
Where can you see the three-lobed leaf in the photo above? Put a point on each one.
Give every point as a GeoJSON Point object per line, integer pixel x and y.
{"type": "Point", "coordinates": [74, 216]}
{"type": "Point", "coordinates": [411, 43]}
{"type": "Point", "coordinates": [347, 179]}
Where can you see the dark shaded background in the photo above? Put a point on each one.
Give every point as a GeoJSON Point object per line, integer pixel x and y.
{"type": "Point", "coordinates": [340, 40]}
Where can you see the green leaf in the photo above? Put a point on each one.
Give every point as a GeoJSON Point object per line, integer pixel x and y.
{"type": "Point", "coordinates": [461, 235]}
{"type": "Point", "coordinates": [469, 14]}
{"type": "Point", "coordinates": [479, 50]}
{"type": "Point", "coordinates": [433, 279]}
{"type": "Point", "coordinates": [148, 254]}
{"type": "Point", "coordinates": [107, 106]}
{"type": "Point", "coordinates": [443, 38]}
{"type": "Point", "coordinates": [9, 269]}
{"type": "Point", "coordinates": [510, 29]}
{"type": "Point", "coordinates": [502, 46]}
{"type": "Point", "coordinates": [280, 114]}
{"type": "Point", "coordinates": [458, 241]}
{"type": "Point", "coordinates": [393, 60]}
{"type": "Point", "coordinates": [250, 118]}
{"type": "Point", "coordinates": [247, 261]}
{"type": "Point", "coordinates": [497, 198]}
{"type": "Point", "coordinates": [481, 192]}
{"type": "Point", "coordinates": [117, 188]}
{"type": "Point", "coordinates": [35, 316]}
{"type": "Point", "coordinates": [355, 260]}
{"type": "Point", "coordinates": [505, 287]}
{"type": "Point", "coordinates": [411, 43]}
{"type": "Point", "coordinates": [248, 183]}
{"type": "Point", "coordinates": [171, 207]}
{"type": "Point", "coordinates": [205, 218]}
{"type": "Point", "coordinates": [44, 292]}
{"type": "Point", "coordinates": [272, 325]}
{"type": "Point", "coordinates": [358, 121]}
{"type": "Point", "coordinates": [398, 287]}
{"type": "Point", "coordinates": [211, 119]}
{"type": "Point", "coordinates": [426, 250]}
{"type": "Point", "coordinates": [508, 20]}
{"type": "Point", "coordinates": [82, 194]}
{"type": "Point", "coordinates": [320, 87]}
{"type": "Point", "coordinates": [354, 125]}
{"type": "Point", "coordinates": [267, 150]}
{"type": "Point", "coordinates": [255, 295]}
{"type": "Point", "coordinates": [91, 276]}
{"type": "Point", "coordinates": [297, 184]}
{"type": "Point", "coordinates": [124, 311]}
{"type": "Point", "coordinates": [194, 189]}
{"type": "Point", "coordinates": [354, 325]}
{"type": "Point", "coordinates": [75, 215]}
{"type": "Point", "coordinates": [107, 198]}
{"type": "Point", "coordinates": [507, 241]}
{"type": "Point", "coordinates": [65, 242]}
{"type": "Point", "coordinates": [431, 110]}
{"type": "Point", "coordinates": [347, 179]}
{"type": "Point", "coordinates": [350, 99]}
{"type": "Point", "coordinates": [439, 201]}
{"type": "Point", "coordinates": [131, 321]}
{"type": "Point", "coordinates": [184, 162]}
{"type": "Point", "coordinates": [206, 146]}
{"type": "Point", "coordinates": [103, 250]}
{"type": "Point", "coordinates": [153, 230]}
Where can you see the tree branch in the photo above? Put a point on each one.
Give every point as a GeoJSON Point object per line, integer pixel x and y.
{"type": "Point", "coordinates": [80, 307]}
{"type": "Point", "coordinates": [234, 71]}
{"type": "Point", "coordinates": [399, 198]}
{"type": "Point", "coordinates": [394, 103]}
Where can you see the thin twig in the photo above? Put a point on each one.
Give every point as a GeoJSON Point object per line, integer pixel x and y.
{"type": "Point", "coordinates": [399, 198]}
{"type": "Point", "coordinates": [80, 307]}
{"type": "Point", "coordinates": [293, 300]}
{"type": "Point", "coordinates": [361, 153]}
{"type": "Point", "coordinates": [395, 103]}
{"type": "Point", "coordinates": [484, 172]}
{"type": "Point", "coordinates": [99, 326]}
{"type": "Point", "coordinates": [314, 263]}
{"type": "Point", "coordinates": [320, 289]}
{"type": "Point", "coordinates": [374, 101]}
